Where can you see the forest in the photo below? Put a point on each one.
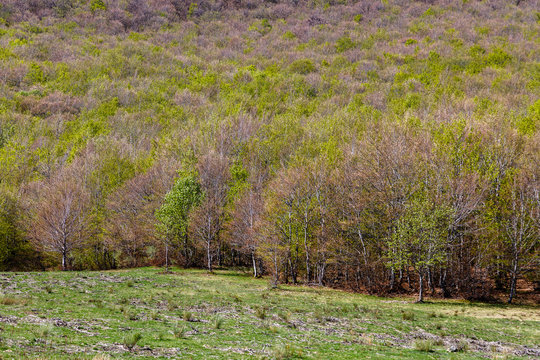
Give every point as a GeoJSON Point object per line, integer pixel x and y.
{"type": "Point", "coordinates": [385, 147]}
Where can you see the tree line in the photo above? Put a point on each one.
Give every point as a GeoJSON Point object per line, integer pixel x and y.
{"type": "Point", "coordinates": [453, 210]}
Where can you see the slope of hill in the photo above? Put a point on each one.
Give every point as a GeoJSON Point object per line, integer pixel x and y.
{"type": "Point", "coordinates": [375, 145]}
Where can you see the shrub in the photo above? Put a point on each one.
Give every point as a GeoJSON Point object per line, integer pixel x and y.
{"type": "Point", "coordinates": [96, 5]}
{"type": "Point", "coordinates": [179, 332]}
{"type": "Point", "coordinates": [407, 315]}
{"type": "Point", "coordinates": [35, 74]}
{"type": "Point", "coordinates": [498, 58]}
{"type": "Point", "coordinates": [289, 35]}
{"type": "Point", "coordinates": [43, 331]}
{"type": "Point", "coordinates": [171, 305]}
{"type": "Point", "coordinates": [260, 312]}
{"type": "Point", "coordinates": [410, 42]}
{"type": "Point", "coordinates": [344, 43]}
{"type": "Point", "coordinates": [358, 18]}
{"type": "Point", "coordinates": [461, 346]}
{"type": "Point", "coordinates": [187, 316]}
{"type": "Point", "coordinates": [283, 352]}
{"type": "Point", "coordinates": [285, 315]}
{"type": "Point", "coordinates": [131, 340]}
{"type": "Point", "coordinates": [263, 27]}
{"type": "Point", "coordinates": [302, 66]}
{"type": "Point", "coordinates": [218, 323]}
{"type": "Point", "coordinates": [131, 315]}
{"type": "Point", "coordinates": [424, 345]}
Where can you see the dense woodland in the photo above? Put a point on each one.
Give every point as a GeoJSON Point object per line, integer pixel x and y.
{"type": "Point", "coordinates": [381, 146]}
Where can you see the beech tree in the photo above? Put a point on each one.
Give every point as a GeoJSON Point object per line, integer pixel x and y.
{"type": "Point", "coordinates": [62, 219]}
{"type": "Point", "coordinates": [521, 233]}
{"type": "Point", "coordinates": [173, 215]}
{"type": "Point", "coordinates": [419, 239]}
{"type": "Point", "coordinates": [208, 219]}
{"type": "Point", "coordinates": [130, 227]}
{"type": "Point", "coordinates": [243, 227]}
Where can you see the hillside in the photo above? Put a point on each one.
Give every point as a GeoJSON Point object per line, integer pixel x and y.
{"type": "Point", "coordinates": [379, 146]}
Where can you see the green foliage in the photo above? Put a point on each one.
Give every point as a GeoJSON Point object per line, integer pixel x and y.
{"type": "Point", "coordinates": [358, 18]}
{"type": "Point", "coordinates": [302, 66]}
{"type": "Point", "coordinates": [174, 213]}
{"type": "Point", "coordinates": [88, 125]}
{"type": "Point", "coordinates": [192, 9]}
{"type": "Point", "coordinates": [15, 251]}
{"type": "Point", "coordinates": [289, 35]}
{"type": "Point", "coordinates": [238, 181]}
{"type": "Point", "coordinates": [410, 42]}
{"type": "Point", "coordinates": [497, 58]}
{"type": "Point", "coordinates": [97, 5]}
{"type": "Point", "coordinates": [530, 123]}
{"type": "Point", "coordinates": [344, 43]}
{"type": "Point", "coordinates": [428, 12]}
{"type": "Point", "coordinates": [263, 27]}
{"type": "Point", "coordinates": [36, 74]}
{"type": "Point", "coordinates": [419, 238]}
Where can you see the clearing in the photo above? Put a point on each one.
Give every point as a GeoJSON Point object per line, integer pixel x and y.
{"type": "Point", "coordinates": [229, 315]}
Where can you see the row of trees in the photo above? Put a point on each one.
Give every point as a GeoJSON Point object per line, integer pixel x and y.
{"type": "Point", "coordinates": [455, 210]}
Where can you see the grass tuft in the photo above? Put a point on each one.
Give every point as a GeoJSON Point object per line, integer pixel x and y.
{"type": "Point", "coordinates": [287, 351]}
{"type": "Point", "coordinates": [424, 345]}
{"type": "Point", "coordinates": [131, 340]}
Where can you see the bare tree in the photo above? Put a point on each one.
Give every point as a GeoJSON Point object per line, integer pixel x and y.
{"type": "Point", "coordinates": [208, 219]}
{"type": "Point", "coordinates": [242, 228]}
{"type": "Point", "coordinates": [130, 226]}
{"type": "Point", "coordinates": [62, 217]}
{"type": "Point", "coordinates": [521, 232]}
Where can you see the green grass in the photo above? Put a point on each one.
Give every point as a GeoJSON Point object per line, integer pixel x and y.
{"type": "Point", "coordinates": [194, 315]}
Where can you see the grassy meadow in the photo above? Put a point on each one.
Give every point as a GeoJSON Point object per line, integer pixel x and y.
{"type": "Point", "coordinates": [190, 314]}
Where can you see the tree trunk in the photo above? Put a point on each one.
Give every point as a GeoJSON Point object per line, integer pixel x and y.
{"type": "Point", "coordinates": [220, 256]}
{"type": "Point", "coordinates": [420, 286]}
{"type": "Point", "coordinates": [209, 256]}
{"type": "Point", "coordinates": [308, 274]}
{"type": "Point", "coordinates": [320, 275]}
{"type": "Point", "coordinates": [442, 283]}
{"type": "Point", "coordinates": [64, 260]}
{"type": "Point", "coordinates": [430, 281]}
{"type": "Point", "coordinates": [513, 281]}
{"type": "Point", "coordinates": [186, 260]}
{"type": "Point", "coordinates": [254, 264]}
{"type": "Point", "coordinates": [276, 275]}
{"type": "Point", "coordinates": [166, 258]}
